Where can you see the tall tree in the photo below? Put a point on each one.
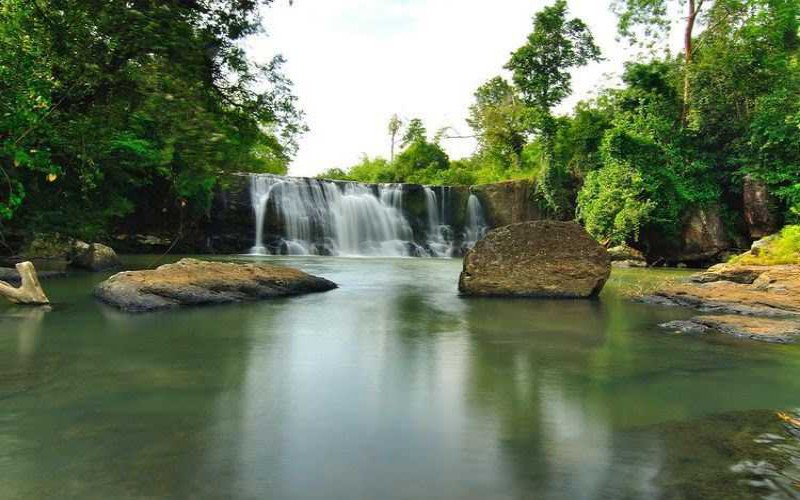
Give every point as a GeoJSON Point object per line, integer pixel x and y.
{"type": "Point", "coordinates": [541, 72]}
{"type": "Point", "coordinates": [395, 124]}
{"type": "Point", "coordinates": [653, 16]}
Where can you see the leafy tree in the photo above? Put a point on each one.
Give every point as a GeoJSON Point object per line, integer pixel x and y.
{"type": "Point", "coordinates": [420, 162]}
{"type": "Point", "coordinates": [499, 119]}
{"type": "Point", "coordinates": [650, 20]}
{"type": "Point", "coordinates": [749, 124]}
{"type": "Point", "coordinates": [415, 132]}
{"type": "Point", "coordinates": [579, 136]}
{"type": "Point", "coordinates": [106, 103]}
{"type": "Point", "coordinates": [651, 175]}
{"type": "Point", "coordinates": [541, 72]}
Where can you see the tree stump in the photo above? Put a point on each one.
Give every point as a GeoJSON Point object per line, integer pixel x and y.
{"type": "Point", "coordinates": [29, 292]}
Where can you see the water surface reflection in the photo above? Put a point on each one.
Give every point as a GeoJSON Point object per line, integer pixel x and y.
{"type": "Point", "coordinates": [389, 387]}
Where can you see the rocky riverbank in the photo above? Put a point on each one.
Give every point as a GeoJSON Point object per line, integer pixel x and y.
{"type": "Point", "coordinates": [756, 302]}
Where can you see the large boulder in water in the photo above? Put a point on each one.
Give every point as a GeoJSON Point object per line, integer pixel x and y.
{"type": "Point", "coordinates": [93, 257]}
{"type": "Point", "coordinates": [536, 259]}
{"type": "Point", "coordinates": [191, 282]}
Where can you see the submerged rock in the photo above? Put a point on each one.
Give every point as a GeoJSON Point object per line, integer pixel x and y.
{"type": "Point", "coordinates": [192, 282]}
{"type": "Point", "coordinates": [687, 326]}
{"type": "Point", "coordinates": [536, 259]}
{"type": "Point", "coordinates": [94, 257]}
{"type": "Point", "coordinates": [772, 330]}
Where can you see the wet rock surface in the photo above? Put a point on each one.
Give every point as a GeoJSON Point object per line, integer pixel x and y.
{"type": "Point", "coordinates": [754, 302]}
{"type": "Point", "coordinates": [192, 282]}
{"type": "Point", "coordinates": [536, 259]}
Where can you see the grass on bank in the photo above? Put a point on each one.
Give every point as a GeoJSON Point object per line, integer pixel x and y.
{"type": "Point", "coordinates": [783, 248]}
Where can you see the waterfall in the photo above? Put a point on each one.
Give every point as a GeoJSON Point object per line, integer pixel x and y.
{"type": "Point", "coordinates": [476, 226]}
{"type": "Point", "coordinates": [328, 218]}
{"type": "Point", "coordinates": [303, 216]}
{"type": "Point", "coordinates": [439, 234]}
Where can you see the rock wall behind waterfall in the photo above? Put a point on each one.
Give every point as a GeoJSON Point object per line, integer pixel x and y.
{"type": "Point", "coordinates": [229, 224]}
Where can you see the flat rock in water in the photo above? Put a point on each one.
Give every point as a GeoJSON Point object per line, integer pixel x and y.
{"type": "Point", "coordinates": [536, 259]}
{"type": "Point", "coordinates": [754, 302]}
{"type": "Point", "coordinates": [192, 282]}
{"type": "Point", "coordinates": [750, 290]}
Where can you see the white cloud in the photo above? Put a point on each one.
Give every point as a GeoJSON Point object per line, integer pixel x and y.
{"type": "Point", "coordinates": [356, 62]}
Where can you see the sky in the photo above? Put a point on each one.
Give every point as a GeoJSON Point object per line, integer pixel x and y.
{"type": "Point", "coordinates": [355, 63]}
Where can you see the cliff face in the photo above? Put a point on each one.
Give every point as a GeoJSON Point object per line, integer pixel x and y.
{"type": "Point", "coordinates": [509, 202]}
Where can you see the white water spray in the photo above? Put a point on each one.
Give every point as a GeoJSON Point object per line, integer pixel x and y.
{"type": "Point", "coordinates": [318, 217]}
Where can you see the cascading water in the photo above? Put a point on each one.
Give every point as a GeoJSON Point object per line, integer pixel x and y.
{"type": "Point", "coordinates": [476, 227]}
{"type": "Point", "coordinates": [302, 216]}
{"type": "Point", "coordinates": [327, 218]}
{"type": "Point", "coordinates": [439, 234]}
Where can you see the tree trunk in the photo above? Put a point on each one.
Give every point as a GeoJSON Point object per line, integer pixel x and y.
{"type": "Point", "coordinates": [688, 56]}
{"type": "Point", "coordinates": [29, 292]}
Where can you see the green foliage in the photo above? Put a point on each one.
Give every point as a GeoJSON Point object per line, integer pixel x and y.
{"type": "Point", "coordinates": [577, 142]}
{"type": "Point", "coordinates": [500, 120]}
{"type": "Point", "coordinates": [652, 172]}
{"type": "Point", "coordinates": [753, 122]}
{"type": "Point", "coordinates": [415, 132]}
{"type": "Point", "coordinates": [420, 162]}
{"type": "Point", "coordinates": [375, 170]}
{"type": "Point", "coordinates": [783, 248]}
{"type": "Point", "coordinates": [541, 72]}
{"type": "Point", "coordinates": [102, 102]}
{"type": "Point", "coordinates": [542, 66]}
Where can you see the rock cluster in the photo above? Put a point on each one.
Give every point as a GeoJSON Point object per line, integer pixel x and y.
{"type": "Point", "coordinates": [536, 259]}
{"type": "Point", "coordinates": [192, 282]}
{"type": "Point", "coordinates": [757, 302]}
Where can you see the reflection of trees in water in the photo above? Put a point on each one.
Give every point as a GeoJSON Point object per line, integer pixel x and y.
{"type": "Point", "coordinates": [126, 406]}
{"type": "Point", "coordinates": [538, 368]}
{"type": "Point", "coordinates": [26, 323]}
{"type": "Point", "coordinates": [20, 327]}
{"type": "Point", "coordinates": [733, 455]}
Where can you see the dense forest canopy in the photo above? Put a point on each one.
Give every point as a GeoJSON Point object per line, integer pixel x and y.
{"type": "Point", "coordinates": [108, 105]}
{"type": "Point", "coordinates": [104, 103]}
{"type": "Point", "coordinates": [682, 131]}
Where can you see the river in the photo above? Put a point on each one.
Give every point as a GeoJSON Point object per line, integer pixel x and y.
{"type": "Point", "coordinates": [390, 387]}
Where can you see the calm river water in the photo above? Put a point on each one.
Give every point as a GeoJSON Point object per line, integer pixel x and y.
{"type": "Point", "coordinates": [389, 387]}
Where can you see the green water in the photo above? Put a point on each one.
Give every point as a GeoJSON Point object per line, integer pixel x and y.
{"type": "Point", "coordinates": [389, 387]}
